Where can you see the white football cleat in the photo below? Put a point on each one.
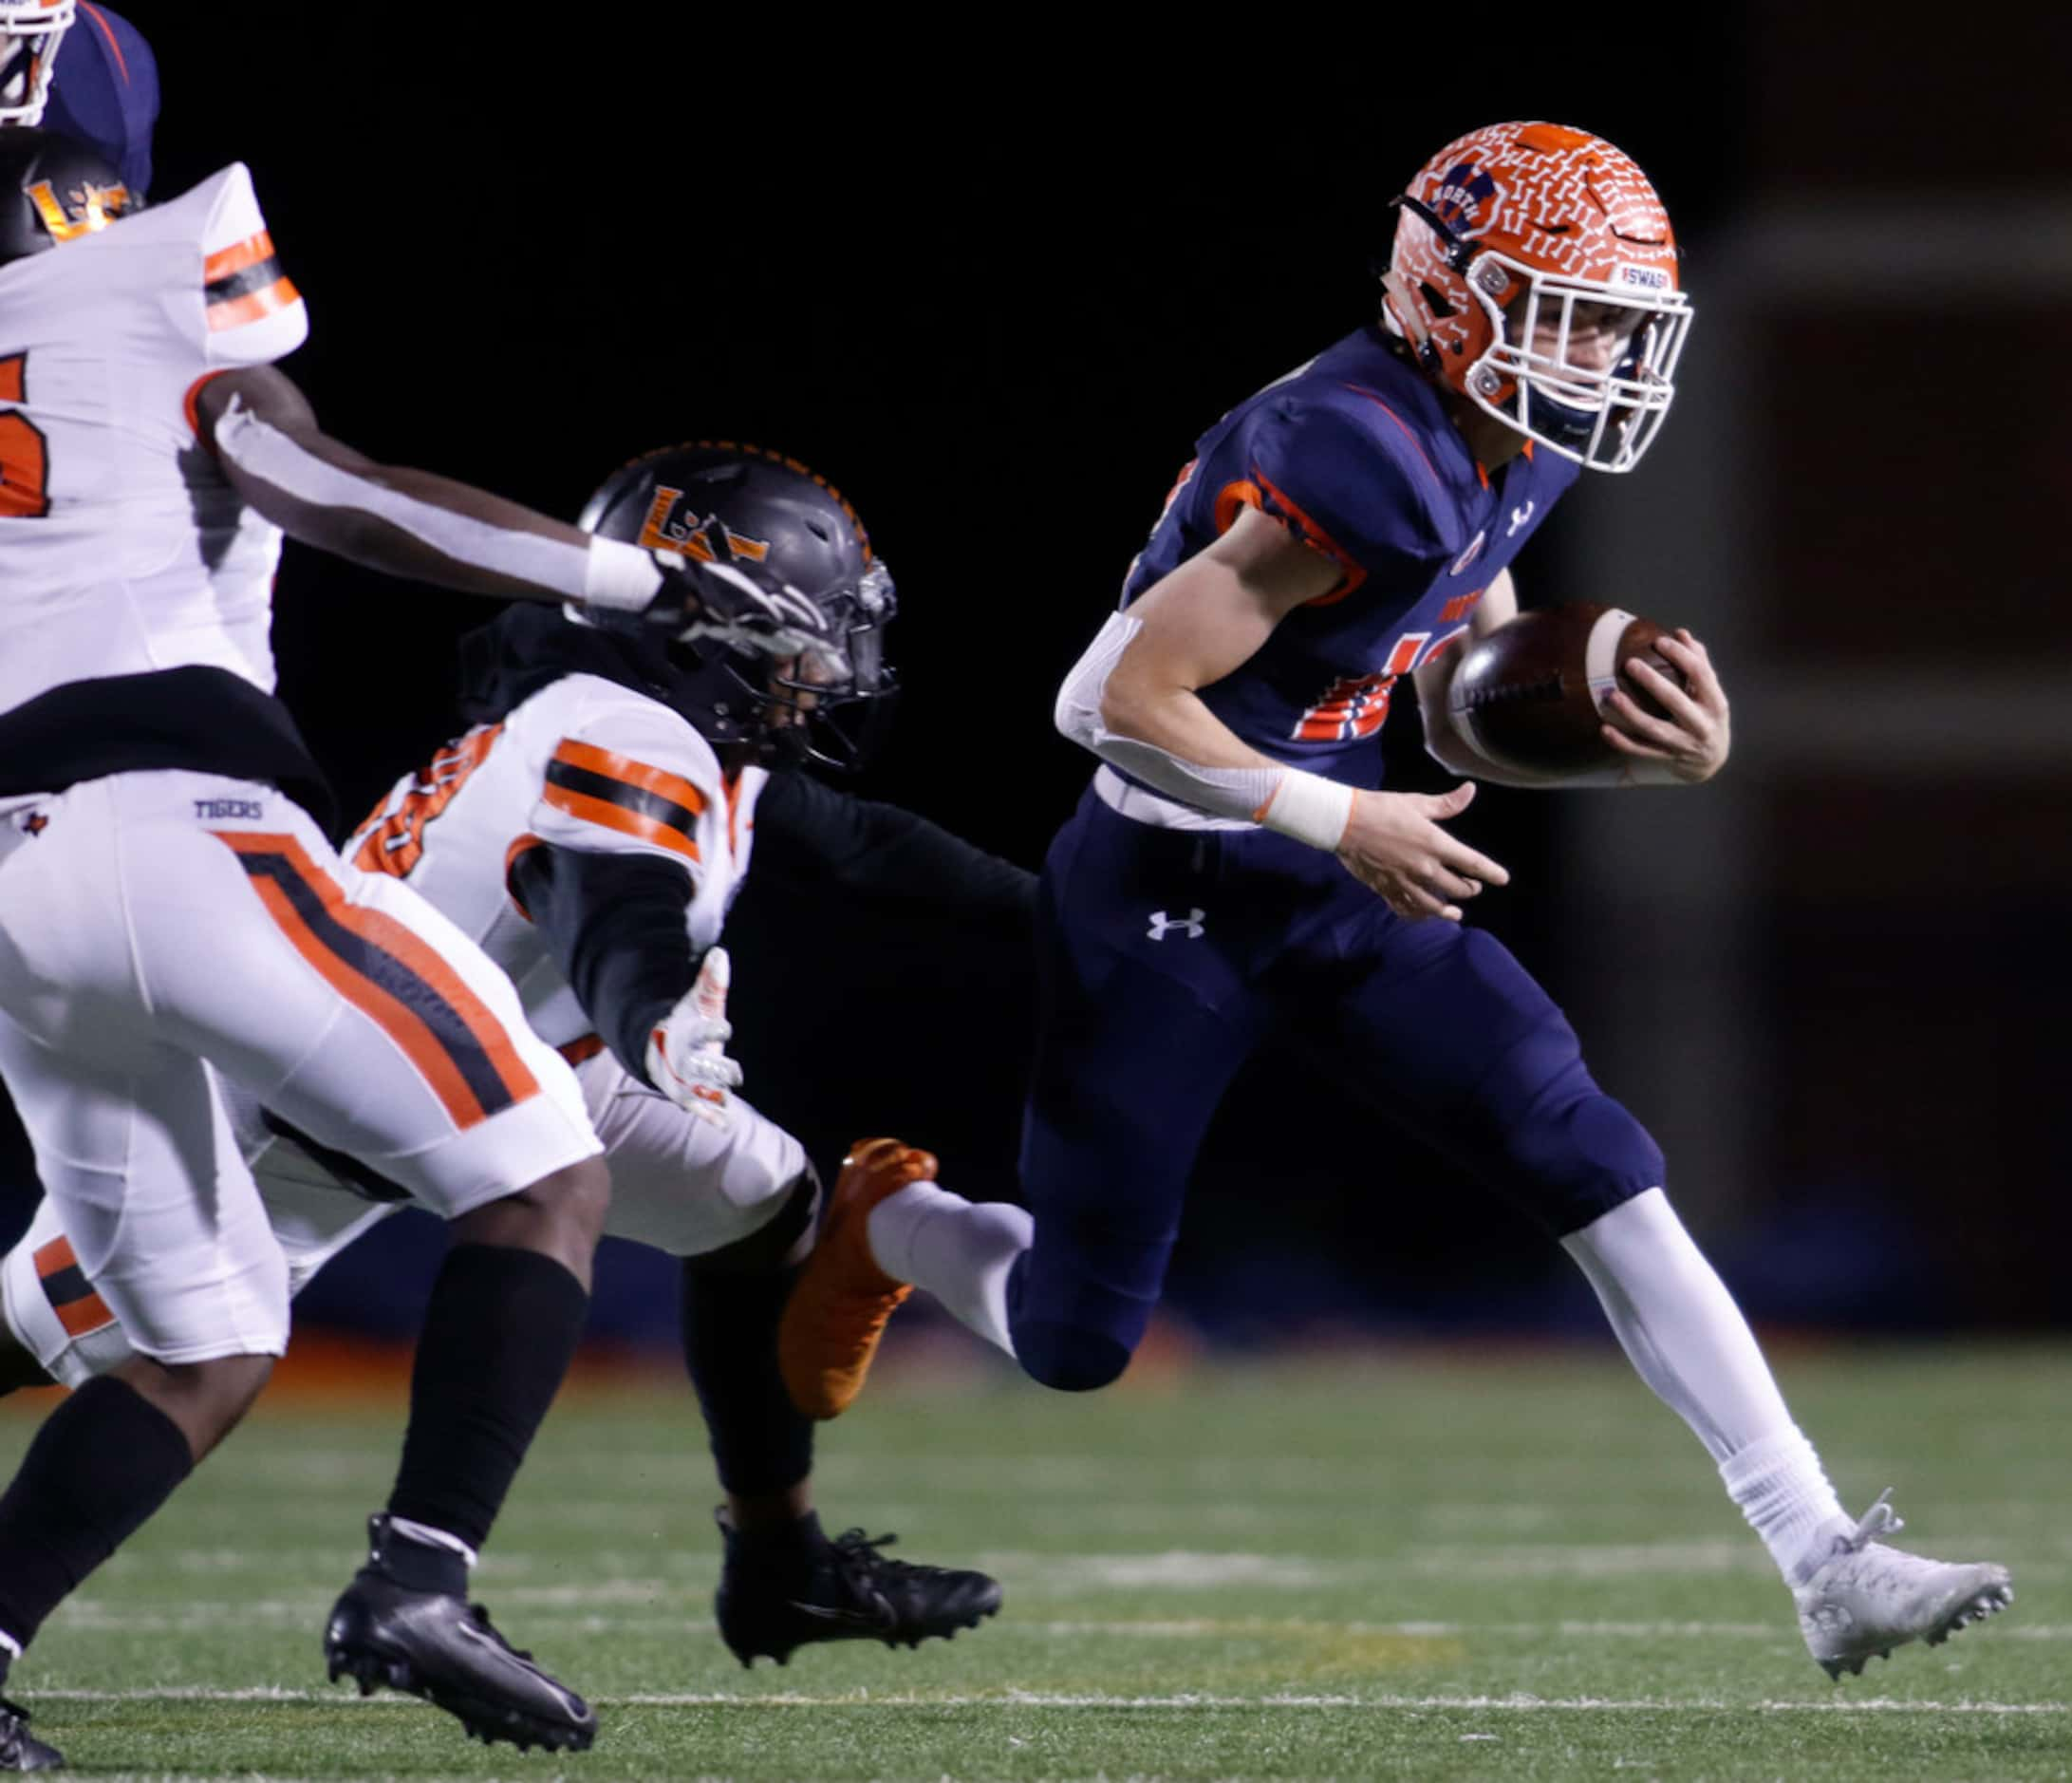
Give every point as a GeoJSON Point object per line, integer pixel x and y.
{"type": "Point", "coordinates": [1868, 1599]}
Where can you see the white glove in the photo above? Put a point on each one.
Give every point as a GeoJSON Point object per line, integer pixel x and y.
{"type": "Point", "coordinates": [743, 612]}
{"type": "Point", "coordinates": [684, 1057]}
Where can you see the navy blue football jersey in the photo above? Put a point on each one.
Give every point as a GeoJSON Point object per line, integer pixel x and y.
{"type": "Point", "coordinates": [1355, 453]}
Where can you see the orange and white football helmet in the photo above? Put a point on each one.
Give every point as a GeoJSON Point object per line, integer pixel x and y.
{"type": "Point", "coordinates": [1511, 240]}
{"type": "Point", "coordinates": [30, 32]}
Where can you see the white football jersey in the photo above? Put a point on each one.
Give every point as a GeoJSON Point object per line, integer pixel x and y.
{"type": "Point", "coordinates": [584, 763]}
{"type": "Point", "coordinates": [123, 549]}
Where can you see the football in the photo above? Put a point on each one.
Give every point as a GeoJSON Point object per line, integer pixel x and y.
{"type": "Point", "coordinates": [1531, 695]}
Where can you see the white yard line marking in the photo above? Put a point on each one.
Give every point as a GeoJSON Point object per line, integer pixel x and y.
{"type": "Point", "coordinates": [566, 1608]}
{"type": "Point", "coordinates": [1056, 1700]}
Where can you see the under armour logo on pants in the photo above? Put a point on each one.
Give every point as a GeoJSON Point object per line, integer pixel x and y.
{"type": "Point", "coordinates": [1191, 923]}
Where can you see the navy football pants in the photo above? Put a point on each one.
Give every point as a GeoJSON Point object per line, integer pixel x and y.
{"type": "Point", "coordinates": [1168, 956]}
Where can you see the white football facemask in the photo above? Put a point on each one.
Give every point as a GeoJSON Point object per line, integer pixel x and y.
{"type": "Point", "coordinates": [1604, 420]}
{"type": "Point", "coordinates": [30, 32]}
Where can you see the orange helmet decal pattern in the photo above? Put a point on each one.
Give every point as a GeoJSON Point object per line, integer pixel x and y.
{"type": "Point", "coordinates": [1557, 199]}
{"type": "Point", "coordinates": [1518, 206]}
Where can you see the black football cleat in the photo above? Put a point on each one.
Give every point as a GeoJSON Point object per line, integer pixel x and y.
{"type": "Point", "coordinates": [20, 1750]}
{"type": "Point", "coordinates": [773, 1600]}
{"type": "Point", "coordinates": [434, 1644]}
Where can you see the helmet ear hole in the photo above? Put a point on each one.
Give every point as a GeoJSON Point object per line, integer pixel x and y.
{"type": "Point", "coordinates": [1435, 300]}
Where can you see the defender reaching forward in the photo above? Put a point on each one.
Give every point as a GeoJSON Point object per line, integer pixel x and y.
{"type": "Point", "coordinates": [172, 917]}
{"type": "Point", "coordinates": [591, 833]}
{"type": "Point", "coordinates": [1234, 874]}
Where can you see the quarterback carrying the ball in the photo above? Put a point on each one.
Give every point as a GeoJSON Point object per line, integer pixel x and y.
{"type": "Point", "coordinates": [1234, 874]}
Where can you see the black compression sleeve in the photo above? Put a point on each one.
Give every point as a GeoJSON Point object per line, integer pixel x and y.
{"type": "Point", "coordinates": [615, 926]}
{"type": "Point", "coordinates": [810, 835]}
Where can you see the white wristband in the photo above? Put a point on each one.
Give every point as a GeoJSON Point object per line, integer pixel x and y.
{"type": "Point", "coordinates": [619, 577]}
{"type": "Point", "coordinates": [1310, 808]}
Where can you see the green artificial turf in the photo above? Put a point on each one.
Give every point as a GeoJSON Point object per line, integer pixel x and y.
{"type": "Point", "coordinates": [1517, 1567]}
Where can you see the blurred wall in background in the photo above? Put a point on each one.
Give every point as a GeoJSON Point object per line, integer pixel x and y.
{"type": "Point", "coordinates": [1835, 984]}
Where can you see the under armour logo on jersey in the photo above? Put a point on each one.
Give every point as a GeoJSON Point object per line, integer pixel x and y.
{"type": "Point", "coordinates": [35, 823]}
{"type": "Point", "coordinates": [1190, 925]}
{"type": "Point", "coordinates": [1520, 515]}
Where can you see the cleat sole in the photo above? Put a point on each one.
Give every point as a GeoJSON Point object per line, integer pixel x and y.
{"type": "Point", "coordinates": [1988, 1602]}
{"type": "Point", "coordinates": [480, 1720]}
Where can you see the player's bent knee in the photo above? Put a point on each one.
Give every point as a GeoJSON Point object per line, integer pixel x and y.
{"type": "Point", "coordinates": [205, 1400]}
{"type": "Point", "coordinates": [1070, 1358]}
{"type": "Point", "coordinates": [782, 1240]}
{"type": "Point", "coordinates": [583, 1196]}
{"type": "Point", "coordinates": [561, 1216]}
{"type": "Point", "coordinates": [1596, 1157]}
{"type": "Point", "coordinates": [573, 1200]}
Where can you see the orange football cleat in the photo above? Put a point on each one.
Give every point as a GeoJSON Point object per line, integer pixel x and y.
{"type": "Point", "coordinates": [839, 1305]}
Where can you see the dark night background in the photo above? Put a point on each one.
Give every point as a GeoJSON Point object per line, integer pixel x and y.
{"type": "Point", "coordinates": [991, 279]}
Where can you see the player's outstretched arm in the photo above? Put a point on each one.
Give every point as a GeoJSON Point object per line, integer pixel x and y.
{"type": "Point", "coordinates": [403, 522]}
{"type": "Point", "coordinates": [430, 529]}
{"type": "Point", "coordinates": [839, 845]}
{"type": "Point", "coordinates": [1134, 699]}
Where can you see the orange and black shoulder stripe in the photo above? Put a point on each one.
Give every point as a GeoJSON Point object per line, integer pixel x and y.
{"type": "Point", "coordinates": [79, 1308]}
{"type": "Point", "coordinates": [622, 794]}
{"type": "Point", "coordinates": [1276, 502]}
{"type": "Point", "coordinates": [245, 282]}
{"type": "Point", "coordinates": [393, 976]}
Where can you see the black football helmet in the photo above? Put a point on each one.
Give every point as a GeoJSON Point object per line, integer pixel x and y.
{"type": "Point", "coordinates": [717, 501]}
{"type": "Point", "coordinates": [53, 190]}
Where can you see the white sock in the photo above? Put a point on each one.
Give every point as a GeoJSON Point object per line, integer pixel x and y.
{"type": "Point", "coordinates": [958, 1250]}
{"type": "Point", "coordinates": [1782, 1491]}
{"type": "Point", "coordinates": [1682, 1331]}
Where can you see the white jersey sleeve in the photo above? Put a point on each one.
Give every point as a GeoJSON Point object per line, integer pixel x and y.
{"type": "Point", "coordinates": [252, 313]}
{"type": "Point", "coordinates": [628, 776]}
{"type": "Point", "coordinates": [127, 549]}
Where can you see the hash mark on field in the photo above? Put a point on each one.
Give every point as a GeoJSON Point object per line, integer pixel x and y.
{"type": "Point", "coordinates": [1061, 1699]}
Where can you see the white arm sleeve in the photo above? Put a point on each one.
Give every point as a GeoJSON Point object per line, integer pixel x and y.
{"type": "Point", "coordinates": [603, 571]}
{"type": "Point", "coordinates": [1306, 806]}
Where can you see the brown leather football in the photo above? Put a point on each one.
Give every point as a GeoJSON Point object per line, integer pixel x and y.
{"type": "Point", "coordinates": [1531, 694]}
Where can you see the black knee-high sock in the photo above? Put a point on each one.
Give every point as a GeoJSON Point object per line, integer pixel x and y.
{"type": "Point", "coordinates": [498, 1337]}
{"type": "Point", "coordinates": [103, 1462]}
{"type": "Point", "coordinates": [760, 1442]}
